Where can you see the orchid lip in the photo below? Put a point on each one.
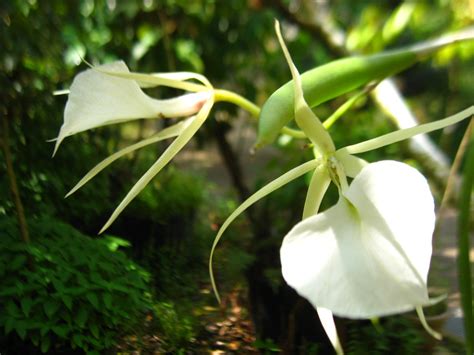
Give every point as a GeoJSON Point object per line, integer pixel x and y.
{"type": "Point", "coordinates": [338, 259]}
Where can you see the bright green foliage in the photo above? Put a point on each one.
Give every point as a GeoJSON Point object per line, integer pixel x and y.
{"type": "Point", "coordinates": [65, 290]}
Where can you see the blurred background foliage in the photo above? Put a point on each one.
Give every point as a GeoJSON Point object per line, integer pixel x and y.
{"type": "Point", "coordinates": [171, 224]}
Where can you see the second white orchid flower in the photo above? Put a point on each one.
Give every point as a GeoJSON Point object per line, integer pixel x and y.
{"type": "Point", "coordinates": [110, 94]}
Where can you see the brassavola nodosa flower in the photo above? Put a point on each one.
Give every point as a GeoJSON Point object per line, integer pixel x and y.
{"type": "Point", "coordinates": [110, 94]}
{"type": "Point", "coordinates": [369, 255]}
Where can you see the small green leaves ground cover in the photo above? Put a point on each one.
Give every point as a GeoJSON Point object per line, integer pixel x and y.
{"type": "Point", "coordinates": [65, 290]}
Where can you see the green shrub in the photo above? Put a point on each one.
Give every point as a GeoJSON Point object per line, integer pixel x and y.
{"type": "Point", "coordinates": [176, 329]}
{"type": "Point", "coordinates": [65, 290]}
{"type": "Point", "coordinates": [394, 335]}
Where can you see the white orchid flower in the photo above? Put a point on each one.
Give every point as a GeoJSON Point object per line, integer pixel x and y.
{"type": "Point", "coordinates": [369, 255]}
{"type": "Point", "coordinates": [107, 95]}
{"type": "Point", "coordinates": [110, 94]}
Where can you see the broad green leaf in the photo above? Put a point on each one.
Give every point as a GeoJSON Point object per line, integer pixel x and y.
{"type": "Point", "coordinates": [9, 324]}
{"type": "Point", "coordinates": [21, 329]}
{"type": "Point", "coordinates": [60, 330]}
{"type": "Point", "coordinates": [67, 300]}
{"type": "Point", "coordinates": [35, 339]}
{"type": "Point", "coordinates": [44, 329]}
{"type": "Point", "coordinates": [81, 316]}
{"type": "Point", "coordinates": [50, 307]}
{"type": "Point", "coordinates": [92, 297]}
{"type": "Point", "coordinates": [26, 304]}
{"type": "Point", "coordinates": [58, 285]}
{"type": "Point", "coordinates": [12, 308]}
{"type": "Point", "coordinates": [95, 330]}
{"type": "Point", "coordinates": [45, 344]}
{"type": "Point", "coordinates": [77, 340]}
{"type": "Point", "coordinates": [107, 300]}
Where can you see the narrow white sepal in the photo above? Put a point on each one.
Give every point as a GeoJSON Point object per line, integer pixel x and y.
{"type": "Point", "coordinates": [424, 323]}
{"type": "Point", "coordinates": [327, 321]}
{"type": "Point", "coordinates": [264, 191]}
{"type": "Point", "coordinates": [369, 255]}
{"type": "Point", "coordinates": [168, 132]}
{"type": "Point", "coordinates": [173, 149]}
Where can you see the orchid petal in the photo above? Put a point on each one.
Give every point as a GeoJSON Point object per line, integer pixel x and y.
{"type": "Point", "coordinates": [327, 320]}
{"type": "Point", "coordinates": [317, 189]}
{"type": "Point", "coordinates": [406, 133]}
{"type": "Point", "coordinates": [424, 323]}
{"type": "Point", "coordinates": [264, 191]}
{"type": "Point", "coordinates": [164, 159]}
{"type": "Point", "coordinates": [304, 116]}
{"type": "Point", "coordinates": [166, 133]}
{"type": "Point", "coordinates": [352, 164]}
{"type": "Point", "coordinates": [368, 256]}
{"type": "Point", "coordinates": [97, 99]}
{"type": "Point", "coordinates": [175, 80]}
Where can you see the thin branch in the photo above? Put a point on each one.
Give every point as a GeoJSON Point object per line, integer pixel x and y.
{"type": "Point", "coordinates": [20, 212]}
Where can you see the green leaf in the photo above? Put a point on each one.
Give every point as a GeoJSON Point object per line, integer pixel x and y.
{"type": "Point", "coordinates": [9, 291]}
{"type": "Point", "coordinates": [21, 329]}
{"type": "Point", "coordinates": [9, 325]}
{"type": "Point", "coordinates": [92, 297]}
{"type": "Point", "coordinates": [95, 330]}
{"type": "Point", "coordinates": [12, 308]}
{"type": "Point", "coordinates": [26, 304]}
{"type": "Point", "coordinates": [107, 300]}
{"type": "Point", "coordinates": [77, 339]}
{"type": "Point", "coordinates": [60, 330]}
{"type": "Point", "coordinates": [35, 339]}
{"type": "Point", "coordinates": [50, 307]}
{"type": "Point", "coordinates": [44, 329]}
{"type": "Point", "coordinates": [81, 316]}
{"type": "Point", "coordinates": [45, 344]}
{"type": "Point", "coordinates": [58, 285]}
{"type": "Point", "coordinates": [67, 300]}
{"type": "Point", "coordinates": [17, 262]}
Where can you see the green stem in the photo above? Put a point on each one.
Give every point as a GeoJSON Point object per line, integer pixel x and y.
{"type": "Point", "coordinates": [254, 110]}
{"type": "Point", "coordinates": [15, 192]}
{"type": "Point", "coordinates": [346, 106]}
{"type": "Point", "coordinates": [232, 97]}
{"type": "Point", "coordinates": [464, 271]}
